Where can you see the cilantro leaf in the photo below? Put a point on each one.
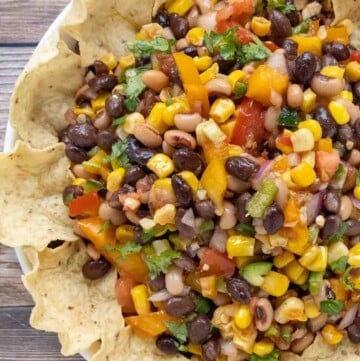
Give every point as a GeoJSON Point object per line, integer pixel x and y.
{"type": "Point", "coordinates": [134, 84]}
{"type": "Point", "coordinates": [118, 154]}
{"type": "Point", "coordinates": [131, 103]}
{"type": "Point", "coordinates": [124, 249]}
{"type": "Point", "coordinates": [331, 307]}
{"type": "Point", "coordinates": [340, 233]}
{"type": "Point", "coordinates": [119, 121]}
{"type": "Point", "coordinates": [178, 330]}
{"type": "Point", "coordinates": [281, 6]}
{"type": "Point", "coordinates": [203, 305]}
{"type": "Point", "coordinates": [285, 335]}
{"type": "Point", "coordinates": [273, 356]}
{"type": "Point", "coordinates": [224, 44]}
{"type": "Point", "coordinates": [207, 225]}
{"type": "Point", "coordinates": [105, 226]}
{"type": "Point", "coordinates": [246, 229]}
{"type": "Point", "coordinates": [346, 281]}
{"type": "Point", "coordinates": [255, 52]}
{"type": "Point", "coordinates": [158, 263]}
{"type": "Point", "coordinates": [144, 48]}
{"type": "Point", "coordinates": [302, 28]}
{"type": "Point", "coordinates": [148, 234]}
{"type": "Point", "coordinates": [339, 264]}
{"type": "Point", "coordinates": [288, 118]}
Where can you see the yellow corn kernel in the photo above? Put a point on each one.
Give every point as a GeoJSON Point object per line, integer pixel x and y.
{"type": "Point", "coordinates": [275, 284]}
{"type": "Point", "coordinates": [352, 71]}
{"type": "Point", "coordinates": [203, 62]}
{"type": "Point", "coordinates": [99, 102]}
{"type": "Point", "coordinates": [195, 36]}
{"type": "Point", "coordinates": [331, 335]}
{"type": "Point", "coordinates": [296, 272]}
{"type": "Point", "coordinates": [104, 172]}
{"type": "Point", "coordinates": [79, 182]}
{"type": "Point", "coordinates": [283, 259]}
{"type": "Point", "coordinates": [180, 7]}
{"type": "Point", "coordinates": [115, 179]}
{"type": "Point", "coordinates": [208, 286]}
{"type": "Point", "coordinates": [313, 126]}
{"type": "Point", "coordinates": [260, 25]}
{"type": "Point", "coordinates": [228, 129]}
{"type": "Point", "coordinates": [161, 165]}
{"type": "Point", "coordinates": [333, 71]}
{"type": "Point", "coordinates": [209, 131]}
{"type": "Point", "coordinates": [165, 215]}
{"type": "Point", "coordinates": [315, 258]}
{"type": "Point", "coordinates": [180, 105]}
{"type": "Point", "coordinates": [339, 112]}
{"type": "Point", "coordinates": [263, 347]}
{"type": "Point", "coordinates": [191, 179]}
{"type": "Point", "coordinates": [244, 339]}
{"type": "Point", "coordinates": [209, 74]}
{"type": "Point", "coordinates": [309, 101]}
{"type": "Point", "coordinates": [132, 120]}
{"type": "Point", "coordinates": [234, 77]}
{"type": "Point", "coordinates": [127, 61]}
{"type": "Point", "coordinates": [235, 150]}
{"type": "Point", "coordinates": [163, 184]}
{"type": "Point", "coordinates": [109, 60]}
{"type": "Point", "coordinates": [308, 157]}
{"type": "Point", "coordinates": [325, 144]}
{"type": "Point", "coordinates": [302, 140]}
{"type": "Point", "coordinates": [240, 245]}
{"type": "Point", "coordinates": [93, 165]}
{"type": "Point", "coordinates": [243, 261]}
{"type": "Point", "coordinates": [243, 317]}
{"type": "Point", "coordinates": [125, 233]}
{"type": "Point", "coordinates": [292, 309]}
{"type": "Point", "coordinates": [222, 109]}
{"type": "Point", "coordinates": [139, 295]}
{"type": "Point", "coordinates": [303, 175]}
{"type": "Point", "coordinates": [354, 256]}
{"type": "Point", "coordinates": [155, 117]}
{"type": "Point", "coordinates": [86, 111]}
{"type": "Point", "coordinates": [356, 192]}
{"type": "Point", "coordinates": [311, 310]}
{"type": "Point", "coordinates": [345, 94]}
{"type": "Point", "coordinates": [337, 250]}
{"type": "Point", "coordinates": [149, 31]}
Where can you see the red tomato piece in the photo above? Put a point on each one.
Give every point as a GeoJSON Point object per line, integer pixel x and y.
{"type": "Point", "coordinates": [86, 205]}
{"type": "Point", "coordinates": [285, 140]}
{"type": "Point", "coordinates": [244, 36]}
{"type": "Point", "coordinates": [122, 289]}
{"type": "Point", "coordinates": [213, 262]}
{"type": "Point", "coordinates": [271, 46]}
{"type": "Point", "coordinates": [355, 56]}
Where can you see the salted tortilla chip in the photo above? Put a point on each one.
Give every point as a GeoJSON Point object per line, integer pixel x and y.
{"type": "Point", "coordinates": [84, 313]}
{"type": "Point", "coordinates": [103, 27]}
{"type": "Point", "coordinates": [32, 210]}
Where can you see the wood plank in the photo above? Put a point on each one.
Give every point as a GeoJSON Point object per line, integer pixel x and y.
{"type": "Point", "coordinates": [21, 343]}
{"type": "Point", "coordinates": [25, 21]}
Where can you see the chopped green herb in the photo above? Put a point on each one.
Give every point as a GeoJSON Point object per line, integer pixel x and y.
{"type": "Point", "coordinates": [302, 28]}
{"type": "Point", "coordinates": [272, 331]}
{"type": "Point", "coordinates": [339, 264]}
{"type": "Point", "coordinates": [240, 90]}
{"type": "Point", "coordinates": [203, 305]}
{"type": "Point", "coordinates": [245, 229]}
{"type": "Point", "coordinates": [331, 307]}
{"type": "Point", "coordinates": [119, 121]}
{"type": "Point", "coordinates": [346, 281]}
{"type": "Point", "coordinates": [105, 226]}
{"type": "Point", "coordinates": [118, 154]}
{"type": "Point", "coordinates": [315, 282]}
{"type": "Point", "coordinates": [124, 249]}
{"type": "Point", "coordinates": [207, 225]}
{"type": "Point", "coordinates": [255, 52]}
{"type": "Point", "coordinates": [288, 118]}
{"type": "Point", "coordinates": [160, 262]}
{"type": "Point", "coordinates": [131, 103]}
{"type": "Point", "coordinates": [281, 5]}
{"type": "Point", "coordinates": [340, 233]}
{"type": "Point", "coordinates": [313, 233]}
{"type": "Point", "coordinates": [182, 348]}
{"type": "Point", "coordinates": [221, 285]}
{"type": "Point", "coordinates": [144, 48]}
{"type": "Point", "coordinates": [134, 84]}
{"type": "Point", "coordinates": [92, 185]}
{"type": "Point", "coordinates": [178, 330]}
{"type": "Point", "coordinates": [285, 335]}
{"type": "Point", "coordinates": [273, 356]}
{"type": "Point", "coordinates": [157, 231]}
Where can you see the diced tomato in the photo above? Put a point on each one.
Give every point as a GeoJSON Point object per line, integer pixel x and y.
{"type": "Point", "coordinates": [244, 35]}
{"type": "Point", "coordinates": [86, 205]}
{"type": "Point", "coordinates": [249, 128]}
{"type": "Point", "coordinates": [285, 140]}
{"type": "Point", "coordinates": [213, 262]}
{"type": "Point", "coordinates": [327, 164]}
{"type": "Point", "coordinates": [271, 45]}
{"type": "Point", "coordinates": [122, 290]}
{"type": "Point", "coordinates": [239, 10]}
{"type": "Point", "coordinates": [355, 56]}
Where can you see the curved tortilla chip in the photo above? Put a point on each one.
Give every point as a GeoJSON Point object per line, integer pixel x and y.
{"type": "Point", "coordinates": [83, 312]}
{"type": "Point", "coordinates": [33, 213]}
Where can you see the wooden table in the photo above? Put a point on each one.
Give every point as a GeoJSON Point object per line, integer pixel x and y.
{"type": "Point", "coordinates": [22, 24]}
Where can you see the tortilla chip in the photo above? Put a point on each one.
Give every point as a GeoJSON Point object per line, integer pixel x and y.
{"type": "Point", "coordinates": [83, 312]}
{"type": "Point", "coordinates": [32, 181]}
{"type": "Point", "coordinates": [103, 27]}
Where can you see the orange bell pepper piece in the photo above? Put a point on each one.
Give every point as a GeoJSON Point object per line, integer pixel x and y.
{"type": "Point", "coordinates": [338, 34]}
{"type": "Point", "coordinates": [308, 43]}
{"type": "Point", "coordinates": [219, 150]}
{"type": "Point", "coordinates": [133, 264]}
{"type": "Point", "coordinates": [298, 238]}
{"type": "Point", "coordinates": [196, 92]}
{"type": "Point", "coordinates": [86, 205]}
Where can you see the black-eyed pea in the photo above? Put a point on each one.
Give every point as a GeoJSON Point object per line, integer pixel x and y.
{"type": "Point", "coordinates": [148, 135]}
{"type": "Point", "coordinates": [155, 80]}
{"type": "Point", "coordinates": [187, 122]}
{"type": "Point", "coordinates": [179, 138]}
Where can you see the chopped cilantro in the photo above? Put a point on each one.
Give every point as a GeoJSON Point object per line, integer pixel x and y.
{"type": "Point", "coordinates": [288, 118]}
{"type": "Point", "coordinates": [158, 263]}
{"type": "Point", "coordinates": [340, 233]}
{"type": "Point", "coordinates": [207, 225]}
{"type": "Point", "coordinates": [255, 52]}
{"type": "Point", "coordinates": [285, 335]}
{"type": "Point", "coordinates": [331, 307]}
{"type": "Point", "coordinates": [92, 185]}
{"type": "Point", "coordinates": [281, 5]}
{"type": "Point", "coordinates": [178, 330]}
{"type": "Point", "coordinates": [134, 85]}
{"type": "Point", "coordinates": [182, 348]}
{"type": "Point", "coordinates": [125, 249]}
{"type": "Point", "coordinates": [302, 28]}
{"type": "Point", "coordinates": [119, 121]}
{"type": "Point", "coordinates": [131, 103]}
{"type": "Point", "coordinates": [144, 48]}
{"type": "Point", "coordinates": [118, 154]}
{"type": "Point", "coordinates": [346, 281]}
{"type": "Point", "coordinates": [339, 264]}
{"type": "Point", "coordinates": [273, 356]}
{"type": "Point", "coordinates": [148, 234]}
{"type": "Point", "coordinates": [246, 229]}
{"type": "Point", "coordinates": [105, 226]}
{"type": "Point", "coordinates": [203, 305]}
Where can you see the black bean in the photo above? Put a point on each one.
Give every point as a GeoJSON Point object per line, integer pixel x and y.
{"type": "Point", "coordinates": [63, 136]}
{"type": "Point", "coordinates": [114, 105]}
{"type": "Point", "coordinates": [290, 65]}
{"type": "Point", "coordinates": [205, 209]}
{"type": "Point", "coordinates": [182, 190]}
{"type": "Point", "coordinates": [148, 99]}
{"type": "Point", "coordinates": [356, 90]}
{"type": "Point", "coordinates": [290, 46]}
{"type": "Point", "coordinates": [241, 167]}
{"type": "Point", "coordinates": [162, 18]}
{"type": "Point", "coordinates": [105, 140]}
{"type": "Point", "coordinates": [294, 17]}
{"type": "Point", "coordinates": [174, 76]}
{"type": "Point", "coordinates": [178, 306]}
{"type": "Point", "coordinates": [274, 219]}
{"type": "Point", "coordinates": [140, 156]}
{"type": "Point", "coordinates": [239, 290]}
{"type": "Point", "coordinates": [179, 25]}
{"type": "Point", "coordinates": [115, 201]}
{"type": "Point", "coordinates": [103, 82]}
{"type": "Point", "coordinates": [357, 127]}
{"type": "Point", "coordinates": [345, 134]}
{"type": "Point", "coordinates": [185, 231]}
{"type": "Point", "coordinates": [83, 135]}
{"type": "Point", "coordinates": [305, 66]}
{"type": "Point", "coordinates": [328, 59]}
{"type": "Point", "coordinates": [331, 201]}
{"type": "Point", "coordinates": [199, 329]}
{"type": "Point", "coordinates": [100, 67]}
{"type": "Point", "coordinates": [95, 269]}
{"type": "Point", "coordinates": [185, 159]}
{"type": "Point", "coordinates": [280, 26]}
{"type": "Point", "coordinates": [190, 51]}
{"type": "Point", "coordinates": [326, 122]}
{"type": "Point", "coordinates": [339, 51]}
{"type": "Point", "coordinates": [71, 192]}
{"type": "Point", "coordinates": [138, 235]}
{"type": "Point", "coordinates": [211, 350]}
{"type": "Point", "coordinates": [331, 226]}
{"type": "Point", "coordinates": [167, 344]}
{"type": "Point", "coordinates": [158, 283]}
{"type": "Point", "coordinates": [354, 331]}
{"type": "Point", "coordinates": [240, 204]}
{"type": "Point", "coordinates": [225, 66]}
{"type": "Point", "coordinates": [133, 174]}
{"type": "Point", "coordinates": [353, 227]}
{"type": "Point", "coordinates": [185, 262]}
{"type": "Point", "coordinates": [76, 154]}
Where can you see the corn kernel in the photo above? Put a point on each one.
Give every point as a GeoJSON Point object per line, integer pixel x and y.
{"type": "Point", "coordinates": [263, 347]}
{"type": "Point", "coordinates": [203, 62]}
{"type": "Point", "coordinates": [127, 61]}
{"type": "Point", "coordinates": [115, 179]}
{"type": "Point", "coordinates": [161, 165]}
{"type": "Point", "coordinates": [149, 31]}
{"type": "Point", "coordinates": [209, 74]}
{"type": "Point", "coordinates": [292, 309]}
{"type": "Point", "coordinates": [243, 261]}
{"type": "Point", "coordinates": [311, 310]}
{"type": "Point", "coordinates": [139, 295]}
{"type": "Point", "coordinates": [195, 36]}
{"type": "Point", "coordinates": [165, 215]}
{"type": "Point", "coordinates": [209, 131]}
{"type": "Point", "coordinates": [228, 129]}
{"type": "Point", "coordinates": [93, 165]}
{"type": "Point", "coordinates": [356, 192]}
{"type": "Point", "coordinates": [303, 175]}
{"type": "Point", "coordinates": [181, 105]}
{"type": "Point", "coordinates": [191, 179]}
{"type": "Point", "coordinates": [313, 126]}
{"type": "Point", "coordinates": [235, 150]}
{"type": "Point", "coordinates": [309, 101]}
{"type": "Point", "coordinates": [352, 71]}
{"type": "Point", "coordinates": [234, 77]}
{"type": "Point", "coordinates": [337, 250]}
{"type": "Point", "coordinates": [331, 335]}
{"type": "Point", "coordinates": [86, 111]}
{"type": "Point", "coordinates": [333, 71]}
{"type": "Point", "coordinates": [325, 144]}
{"type": "Point", "coordinates": [125, 233]}
{"type": "Point", "coordinates": [302, 140]}
{"type": "Point", "coordinates": [243, 317]}
{"type": "Point", "coordinates": [208, 286]}
{"type": "Point", "coordinates": [180, 7]}
{"type": "Point", "coordinates": [104, 172]}
{"type": "Point", "coordinates": [222, 109]}
{"type": "Point", "coordinates": [109, 60]}
{"type": "Point", "coordinates": [315, 258]}
{"type": "Point", "coordinates": [163, 184]}
{"type": "Point", "coordinates": [275, 284]}
{"type": "Point", "coordinates": [79, 182]}
{"type": "Point", "coordinates": [309, 157]}
{"type": "Point", "coordinates": [244, 339]}
{"type": "Point", "coordinates": [240, 245]}
{"type": "Point", "coordinates": [283, 259]}
{"type": "Point", "coordinates": [155, 118]}
{"type": "Point", "coordinates": [345, 94]}
{"type": "Point", "coordinates": [339, 112]}
{"type": "Point", "coordinates": [354, 256]}
{"type": "Point", "coordinates": [260, 25]}
{"type": "Point", "coordinates": [99, 103]}
{"type": "Point", "coordinates": [132, 120]}
{"type": "Point", "coordinates": [296, 272]}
